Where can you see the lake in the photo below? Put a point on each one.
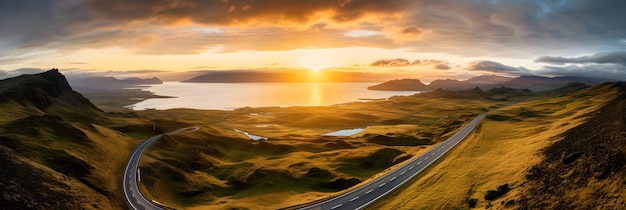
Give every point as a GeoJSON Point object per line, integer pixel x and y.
{"type": "Point", "coordinates": [226, 96]}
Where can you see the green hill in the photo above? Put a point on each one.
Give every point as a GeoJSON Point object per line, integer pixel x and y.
{"type": "Point", "coordinates": [59, 151]}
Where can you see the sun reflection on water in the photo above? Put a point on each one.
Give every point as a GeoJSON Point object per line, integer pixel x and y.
{"type": "Point", "coordinates": [316, 95]}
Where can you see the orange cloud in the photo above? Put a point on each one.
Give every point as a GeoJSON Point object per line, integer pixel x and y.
{"type": "Point", "coordinates": [242, 12]}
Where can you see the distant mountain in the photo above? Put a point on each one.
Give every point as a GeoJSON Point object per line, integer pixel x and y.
{"type": "Point", "coordinates": [245, 76]}
{"type": "Point", "coordinates": [110, 82]}
{"type": "Point", "coordinates": [402, 84]}
{"type": "Point", "coordinates": [112, 94]}
{"type": "Point", "coordinates": [533, 83]}
{"type": "Point", "coordinates": [250, 76]}
{"type": "Point", "coordinates": [538, 83]}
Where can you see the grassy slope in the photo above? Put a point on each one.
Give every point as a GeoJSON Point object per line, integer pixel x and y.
{"type": "Point", "coordinates": [205, 167]}
{"type": "Point", "coordinates": [586, 167]}
{"type": "Point", "coordinates": [506, 146]}
{"type": "Point", "coordinates": [80, 158]}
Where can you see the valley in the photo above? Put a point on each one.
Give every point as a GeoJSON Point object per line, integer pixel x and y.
{"type": "Point", "coordinates": [217, 167]}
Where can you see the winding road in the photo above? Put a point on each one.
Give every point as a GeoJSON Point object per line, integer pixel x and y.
{"type": "Point", "coordinates": [134, 198]}
{"type": "Point", "coordinates": [358, 198]}
{"type": "Point", "coordinates": [369, 193]}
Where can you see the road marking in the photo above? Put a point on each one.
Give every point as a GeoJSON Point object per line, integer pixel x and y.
{"type": "Point", "coordinates": [353, 199]}
{"type": "Point", "coordinates": [411, 167]}
{"type": "Point", "coordinates": [393, 178]}
{"type": "Point", "coordinates": [426, 158]}
{"type": "Point", "coordinates": [402, 172]}
{"type": "Point", "coordinates": [368, 192]}
{"type": "Point", "coordinates": [383, 184]}
{"type": "Point", "coordinates": [337, 206]}
{"type": "Point", "coordinates": [419, 162]}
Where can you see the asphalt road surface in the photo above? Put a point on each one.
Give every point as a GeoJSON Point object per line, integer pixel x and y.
{"type": "Point", "coordinates": [369, 193]}
{"type": "Point", "coordinates": [134, 198]}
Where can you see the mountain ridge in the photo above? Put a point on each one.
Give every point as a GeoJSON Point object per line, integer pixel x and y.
{"type": "Point", "coordinates": [533, 83]}
{"type": "Point", "coordinates": [261, 76]}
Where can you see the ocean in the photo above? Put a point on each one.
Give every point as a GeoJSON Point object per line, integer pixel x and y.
{"type": "Point", "coordinates": [228, 96]}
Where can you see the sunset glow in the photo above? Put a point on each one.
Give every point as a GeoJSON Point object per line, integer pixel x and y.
{"type": "Point", "coordinates": [116, 37]}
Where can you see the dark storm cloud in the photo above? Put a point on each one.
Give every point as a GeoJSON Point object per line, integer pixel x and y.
{"type": "Point", "coordinates": [32, 23]}
{"type": "Point", "coordinates": [599, 58]}
{"type": "Point", "coordinates": [495, 67]}
{"type": "Point", "coordinates": [514, 28]}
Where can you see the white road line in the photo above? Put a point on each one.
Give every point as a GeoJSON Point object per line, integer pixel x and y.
{"type": "Point", "coordinates": [369, 191]}
{"type": "Point", "coordinates": [383, 184]}
{"type": "Point", "coordinates": [393, 178]}
{"type": "Point", "coordinates": [419, 162]}
{"type": "Point", "coordinates": [426, 158]}
{"type": "Point", "coordinates": [411, 167]}
{"type": "Point", "coordinates": [353, 199]}
{"type": "Point", "coordinates": [337, 206]}
{"type": "Point", "coordinates": [403, 173]}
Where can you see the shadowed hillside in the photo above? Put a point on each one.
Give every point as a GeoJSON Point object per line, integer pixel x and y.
{"type": "Point", "coordinates": [59, 151]}
{"type": "Point", "coordinates": [586, 168]}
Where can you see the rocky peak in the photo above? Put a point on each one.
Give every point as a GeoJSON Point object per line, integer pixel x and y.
{"type": "Point", "coordinates": [42, 90]}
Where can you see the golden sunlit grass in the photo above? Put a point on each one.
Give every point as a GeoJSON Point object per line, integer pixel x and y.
{"type": "Point", "coordinates": [277, 173]}
{"type": "Point", "coordinates": [88, 159]}
{"type": "Point", "coordinates": [506, 145]}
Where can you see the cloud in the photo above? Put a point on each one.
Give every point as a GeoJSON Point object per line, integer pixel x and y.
{"type": "Point", "coordinates": [618, 57]}
{"type": "Point", "coordinates": [607, 71]}
{"type": "Point", "coordinates": [436, 64]}
{"type": "Point", "coordinates": [443, 66]}
{"type": "Point", "coordinates": [362, 33]}
{"type": "Point", "coordinates": [18, 72]}
{"type": "Point", "coordinates": [391, 62]}
{"type": "Point", "coordinates": [402, 35]}
{"type": "Point", "coordinates": [495, 67]}
{"type": "Point", "coordinates": [611, 65]}
{"type": "Point", "coordinates": [244, 12]}
{"type": "Point", "coordinates": [467, 28]}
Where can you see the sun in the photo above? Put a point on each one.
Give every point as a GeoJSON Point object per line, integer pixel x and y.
{"type": "Point", "coordinates": [316, 62]}
{"type": "Point", "coordinates": [315, 68]}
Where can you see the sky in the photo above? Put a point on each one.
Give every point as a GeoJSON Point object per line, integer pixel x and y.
{"type": "Point", "coordinates": [425, 39]}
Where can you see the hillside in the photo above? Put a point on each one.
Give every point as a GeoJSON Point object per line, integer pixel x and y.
{"type": "Point", "coordinates": [586, 166]}
{"type": "Point", "coordinates": [59, 151]}
{"type": "Point", "coordinates": [72, 154]}
{"type": "Point", "coordinates": [559, 151]}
